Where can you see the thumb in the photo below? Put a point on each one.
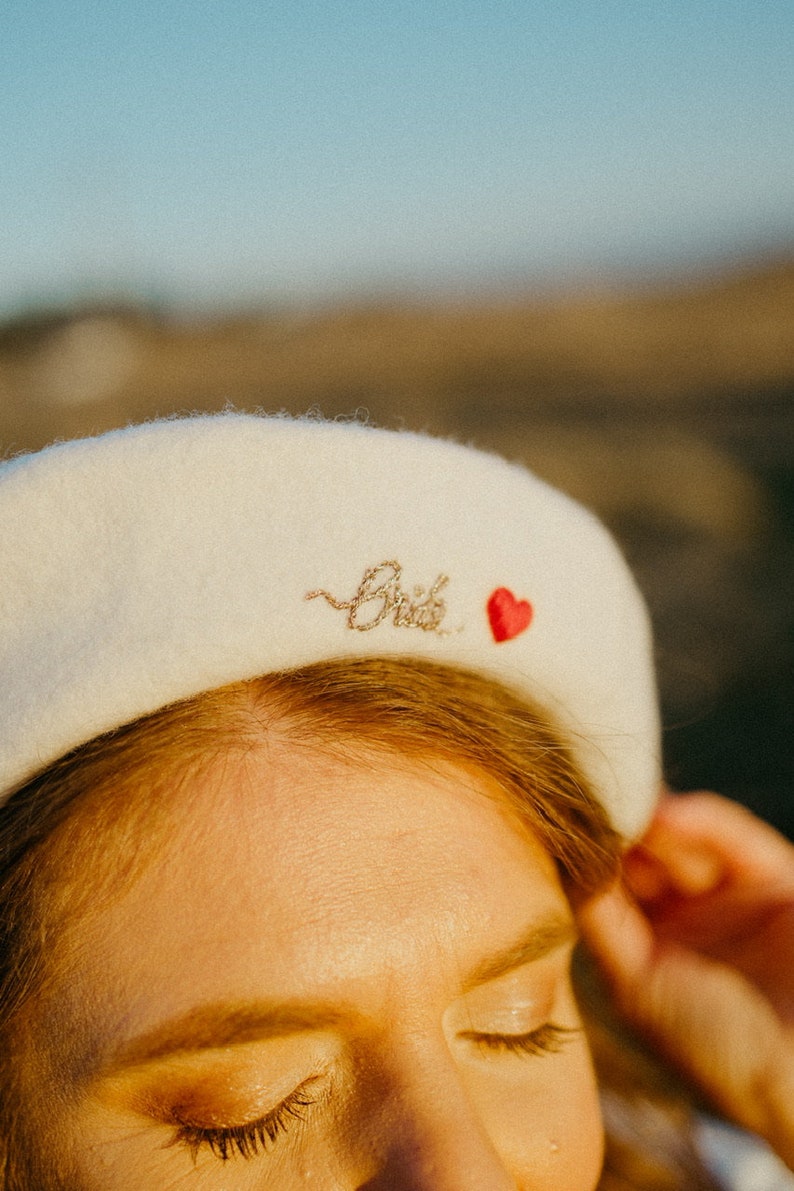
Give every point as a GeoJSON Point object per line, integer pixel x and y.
{"type": "Point", "coordinates": [703, 1015]}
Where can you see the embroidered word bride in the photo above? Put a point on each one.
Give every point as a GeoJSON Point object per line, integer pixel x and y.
{"type": "Point", "coordinates": [380, 595]}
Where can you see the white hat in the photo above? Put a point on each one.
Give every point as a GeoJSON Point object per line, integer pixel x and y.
{"type": "Point", "coordinates": [152, 563]}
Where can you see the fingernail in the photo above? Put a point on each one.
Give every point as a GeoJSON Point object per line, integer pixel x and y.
{"type": "Point", "coordinates": [644, 875]}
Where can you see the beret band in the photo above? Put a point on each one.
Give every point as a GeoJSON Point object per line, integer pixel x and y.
{"type": "Point", "coordinates": [149, 564]}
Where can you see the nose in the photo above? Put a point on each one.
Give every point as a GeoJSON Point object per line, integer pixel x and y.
{"type": "Point", "coordinates": [442, 1155]}
{"type": "Point", "coordinates": [441, 1172]}
{"type": "Point", "coordinates": [432, 1138]}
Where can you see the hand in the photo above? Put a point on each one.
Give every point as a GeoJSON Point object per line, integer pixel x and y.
{"type": "Point", "coordinates": [699, 954]}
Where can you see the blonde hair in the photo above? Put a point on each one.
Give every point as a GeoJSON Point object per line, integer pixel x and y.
{"type": "Point", "coordinates": [111, 795]}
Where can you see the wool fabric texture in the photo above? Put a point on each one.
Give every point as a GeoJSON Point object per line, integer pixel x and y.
{"type": "Point", "coordinates": [150, 564]}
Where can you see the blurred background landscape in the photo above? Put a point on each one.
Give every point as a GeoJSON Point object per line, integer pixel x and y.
{"type": "Point", "coordinates": [566, 234]}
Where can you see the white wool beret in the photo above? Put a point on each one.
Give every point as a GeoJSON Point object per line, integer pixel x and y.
{"type": "Point", "coordinates": [149, 564]}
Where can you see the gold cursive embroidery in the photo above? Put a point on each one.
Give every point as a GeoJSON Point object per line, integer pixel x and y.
{"type": "Point", "coordinates": [380, 595]}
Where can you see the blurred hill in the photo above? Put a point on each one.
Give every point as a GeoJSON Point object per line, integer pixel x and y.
{"type": "Point", "coordinates": [721, 349]}
{"type": "Point", "coordinates": [668, 408]}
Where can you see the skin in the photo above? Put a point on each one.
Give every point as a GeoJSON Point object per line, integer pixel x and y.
{"type": "Point", "coordinates": [373, 932]}
{"type": "Point", "coordinates": [698, 946]}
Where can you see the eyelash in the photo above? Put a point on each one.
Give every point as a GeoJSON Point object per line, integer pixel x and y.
{"type": "Point", "coordinates": [547, 1039]}
{"type": "Point", "coordinates": [253, 1139]}
{"type": "Point", "coordinates": [247, 1141]}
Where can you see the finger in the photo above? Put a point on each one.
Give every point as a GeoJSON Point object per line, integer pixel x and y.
{"type": "Point", "coordinates": [689, 869]}
{"type": "Point", "coordinates": [701, 839]}
{"type": "Point", "coordinates": [703, 1015]}
{"type": "Point", "coordinates": [620, 938]}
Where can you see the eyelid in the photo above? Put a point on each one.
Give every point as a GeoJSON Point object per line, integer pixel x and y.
{"type": "Point", "coordinates": [528, 992]}
{"type": "Point", "coordinates": [216, 1087]}
{"type": "Point", "coordinates": [251, 1138]}
{"type": "Point", "coordinates": [554, 964]}
{"type": "Point", "coordinates": [549, 1038]}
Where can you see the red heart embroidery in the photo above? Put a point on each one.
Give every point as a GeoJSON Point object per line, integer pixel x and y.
{"type": "Point", "coordinates": [507, 615]}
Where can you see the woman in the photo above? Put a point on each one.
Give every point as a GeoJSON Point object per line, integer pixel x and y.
{"type": "Point", "coordinates": [318, 743]}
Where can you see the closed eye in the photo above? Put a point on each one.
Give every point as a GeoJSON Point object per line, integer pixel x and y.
{"type": "Point", "coordinates": [248, 1140]}
{"type": "Point", "coordinates": [547, 1039]}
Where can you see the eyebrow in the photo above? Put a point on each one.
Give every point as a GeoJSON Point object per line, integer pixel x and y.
{"type": "Point", "coordinates": [544, 937]}
{"type": "Point", "coordinates": [215, 1026]}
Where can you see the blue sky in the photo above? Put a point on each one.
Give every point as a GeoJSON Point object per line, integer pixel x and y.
{"type": "Point", "coordinates": [191, 151]}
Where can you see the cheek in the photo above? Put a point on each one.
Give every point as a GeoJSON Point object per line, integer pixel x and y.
{"type": "Point", "coordinates": [547, 1126]}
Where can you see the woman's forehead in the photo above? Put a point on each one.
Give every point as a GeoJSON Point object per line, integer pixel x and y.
{"type": "Point", "coordinates": [298, 875]}
{"type": "Point", "coordinates": [287, 813]}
